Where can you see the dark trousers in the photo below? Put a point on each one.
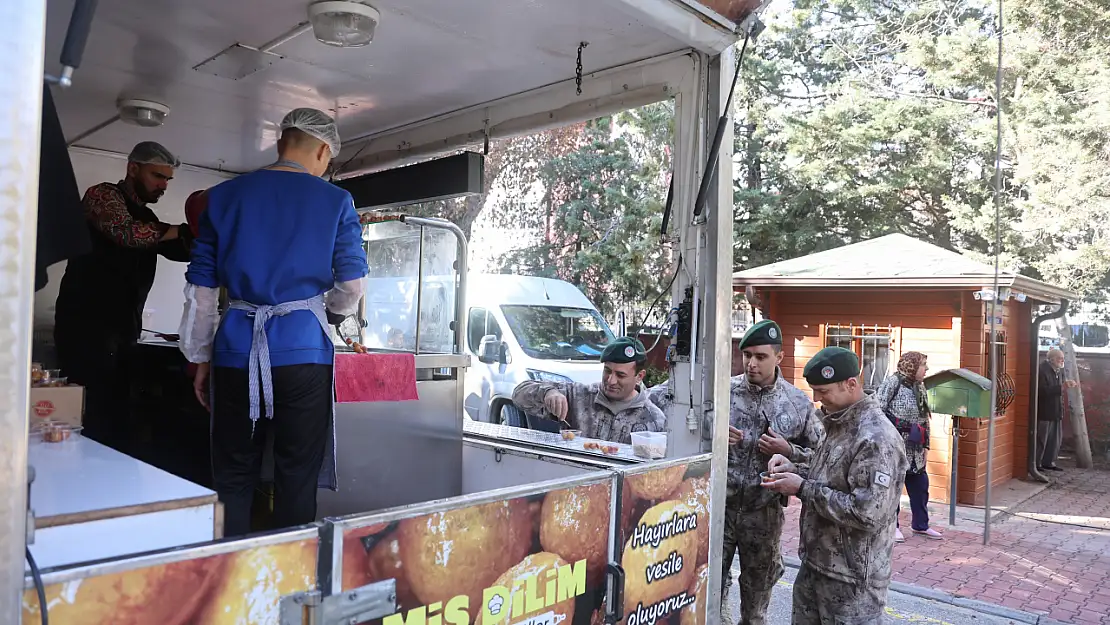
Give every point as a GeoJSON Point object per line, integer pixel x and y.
{"type": "Point", "coordinates": [1049, 438]}
{"type": "Point", "coordinates": [917, 486]}
{"type": "Point", "coordinates": [98, 360]}
{"type": "Point", "coordinates": [302, 414]}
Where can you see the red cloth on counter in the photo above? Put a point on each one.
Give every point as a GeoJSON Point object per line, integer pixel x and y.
{"type": "Point", "coordinates": [375, 377]}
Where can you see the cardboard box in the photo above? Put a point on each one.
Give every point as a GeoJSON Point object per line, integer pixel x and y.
{"type": "Point", "coordinates": [65, 404]}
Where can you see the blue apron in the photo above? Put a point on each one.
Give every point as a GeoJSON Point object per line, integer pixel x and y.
{"type": "Point", "coordinates": [258, 365]}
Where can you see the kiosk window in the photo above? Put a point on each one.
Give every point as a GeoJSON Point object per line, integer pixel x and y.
{"type": "Point", "coordinates": [870, 343]}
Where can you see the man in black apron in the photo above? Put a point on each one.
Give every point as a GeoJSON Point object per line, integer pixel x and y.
{"type": "Point", "coordinates": [287, 246]}
{"type": "Point", "coordinates": [99, 311]}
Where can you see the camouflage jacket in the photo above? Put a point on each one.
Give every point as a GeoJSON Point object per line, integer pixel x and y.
{"type": "Point", "coordinates": [788, 411]}
{"type": "Point", "coordinates": [590, 411]}
{"type": "Point", "coordinates": [658, 396]}
{"type": "Point", "coordinates": [850, 496]}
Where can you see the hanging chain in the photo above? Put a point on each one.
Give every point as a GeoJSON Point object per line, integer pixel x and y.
{"type": "Point", "coordinates": [578, 69]}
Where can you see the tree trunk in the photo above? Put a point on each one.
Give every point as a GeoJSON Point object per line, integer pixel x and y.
{"type": "Point", "coordinates": [1075, 396]}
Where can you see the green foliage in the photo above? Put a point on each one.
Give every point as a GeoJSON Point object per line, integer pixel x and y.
{"type": "Point", "coordinates": [862, 117]}
{"type": "Point", "coordinates": [600, 210]}
{"type": "Point", "coordinates": [654, 376]}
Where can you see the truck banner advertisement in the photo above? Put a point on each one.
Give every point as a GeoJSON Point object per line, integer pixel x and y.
{"type": "Point", "coordinates": [534, 560]}
{"type": "Point", "coordinates": [666, 548]}
{"type": "Point", "coordinates": [232, 587]}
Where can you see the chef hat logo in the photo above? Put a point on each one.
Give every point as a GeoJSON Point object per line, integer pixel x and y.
{"type": "Point", "coordinates": [495, 604]}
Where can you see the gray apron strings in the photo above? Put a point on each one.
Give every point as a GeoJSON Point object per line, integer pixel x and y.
{"type": "Point", "coordinates": [258, 365]}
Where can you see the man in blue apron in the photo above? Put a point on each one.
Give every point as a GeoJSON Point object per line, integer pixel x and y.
{"type": "Point", "coordinates": [287, 246]}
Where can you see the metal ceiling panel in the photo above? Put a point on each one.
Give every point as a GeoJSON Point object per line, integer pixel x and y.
{"type": "Point", "coordinates": [429, 58]}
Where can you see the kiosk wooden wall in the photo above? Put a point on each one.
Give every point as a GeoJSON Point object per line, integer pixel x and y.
{"type": "Point", "coordinates": [947, 325]}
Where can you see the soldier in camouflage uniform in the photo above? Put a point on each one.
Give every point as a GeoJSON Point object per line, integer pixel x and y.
{"type": "Point", "coordinates": [660, 395]}
{"type": "Point", "coordinates": [608, 411]}
{"type": "Point", "coordinates": [767, 416]}
{"type": "Point", "coordinates": [850, 492]}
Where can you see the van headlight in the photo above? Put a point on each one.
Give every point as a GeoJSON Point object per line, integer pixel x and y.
{"type": "Point", "coordinates": [545, 376]}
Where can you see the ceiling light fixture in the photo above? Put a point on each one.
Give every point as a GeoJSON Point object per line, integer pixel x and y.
{"type": "Point", "coordinates": [145, 113]}
{"type": "Point", "coordinates": [343, 23]}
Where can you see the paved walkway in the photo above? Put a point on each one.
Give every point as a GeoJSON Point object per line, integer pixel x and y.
{"type": "Point", "coordinates": [1048, 555]}
{"type": "Point", "coordinates": [900, 608]}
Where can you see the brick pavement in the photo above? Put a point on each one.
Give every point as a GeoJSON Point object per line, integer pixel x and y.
{"type": "Point", "coordinates": [1051, 556]}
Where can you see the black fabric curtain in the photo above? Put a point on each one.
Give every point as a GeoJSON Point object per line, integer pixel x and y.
{"type": "Point", "coordinates": [62, 233]}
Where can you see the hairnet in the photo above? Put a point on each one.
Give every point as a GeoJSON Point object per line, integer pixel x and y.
{"type": "Point", "coordinates": [316, 124]}
{"type": "Point", "coordinates": [151, 153]}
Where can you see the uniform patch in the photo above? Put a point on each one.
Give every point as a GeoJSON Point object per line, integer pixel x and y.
{"type": "Point", "coordinates": [882, 479]}
{"type": "Point", "coordinates": [629, 351]}
{"type": "Point", "coordinates": [773, 333]}
{"type": "Point", "coordinates": [828, 373]}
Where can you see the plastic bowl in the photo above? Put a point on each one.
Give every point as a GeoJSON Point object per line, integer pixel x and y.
{"type": "Point", "coordinates": [650, 445]}
{"type": "Point", "coordinates": [56, 433]}
{"type": "Point", "coordinates": [569, 435]}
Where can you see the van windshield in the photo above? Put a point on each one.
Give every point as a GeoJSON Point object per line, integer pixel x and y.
{"type": "Point", "coordinates": [558, 333]}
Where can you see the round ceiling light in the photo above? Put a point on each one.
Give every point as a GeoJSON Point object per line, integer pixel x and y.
{"type": "Point", "coordinates": [145, 113]}
{"type": "Point", "coordinates": [343, 23]}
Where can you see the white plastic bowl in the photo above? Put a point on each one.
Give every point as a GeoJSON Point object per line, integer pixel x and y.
{"type": "Point", "coordinates": [650, 445]}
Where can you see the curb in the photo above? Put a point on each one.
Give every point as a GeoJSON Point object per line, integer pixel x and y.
{"type": "Point", "coordinates": [940, 596]}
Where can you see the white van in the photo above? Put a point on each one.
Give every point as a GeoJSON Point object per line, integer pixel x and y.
{"type": "Point", "coordinates": [526, 328]}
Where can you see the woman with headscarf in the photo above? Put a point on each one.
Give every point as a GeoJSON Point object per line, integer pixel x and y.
{"type": "Point", "coordinates": [902, 396]}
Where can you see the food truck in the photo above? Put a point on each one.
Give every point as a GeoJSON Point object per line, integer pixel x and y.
{"type": "Point", "coordinates": [437, 519]}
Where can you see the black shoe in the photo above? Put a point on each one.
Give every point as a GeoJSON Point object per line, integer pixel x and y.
{"type": "Point", "coordinates": [1052, 468]}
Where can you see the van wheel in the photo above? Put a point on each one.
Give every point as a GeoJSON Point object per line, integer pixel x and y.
{"type": "Point", "coordinates": [511, 415]}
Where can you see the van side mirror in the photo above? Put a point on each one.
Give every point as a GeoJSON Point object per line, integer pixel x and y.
{"type": "Point", "coordinates": [492, 350]}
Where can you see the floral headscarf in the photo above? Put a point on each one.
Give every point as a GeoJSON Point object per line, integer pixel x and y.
{"type": "Point", "coordinates": [908, 365]}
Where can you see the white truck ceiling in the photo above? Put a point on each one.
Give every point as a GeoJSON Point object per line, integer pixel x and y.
{"type": "Point", "coordinates": [428, 58]}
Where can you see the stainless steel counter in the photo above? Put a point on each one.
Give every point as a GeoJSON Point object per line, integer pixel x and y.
{"type": "Point", "coordinates": [546, 440]}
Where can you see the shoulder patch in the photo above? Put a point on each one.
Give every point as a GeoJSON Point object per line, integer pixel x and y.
{"type": "Point", "coordinates": [882, 479]}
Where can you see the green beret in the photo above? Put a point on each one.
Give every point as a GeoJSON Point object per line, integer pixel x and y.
{"type": "Point", "coordinates": [765, 332]}
{"type": "Point", "coordinates": [623, 351]}
{"type": "Point", "coordinates": [831, 365]}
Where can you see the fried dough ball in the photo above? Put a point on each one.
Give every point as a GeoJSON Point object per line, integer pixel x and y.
{"type": "Point", "coordinates": [632, 508]}
{"type": "Point", "coordinates": [574, 523]}
{"type": "Point", "coordinates": [168, 594]}
{"type": "Point", "coordinates": [527, 524]}
{"type": "Point", "coordinates": [385, 563]}
{"type": "Point", "coordinates": [694, 492]}
{"type": "Point", "coordinates": [461, 552]}
{"type": "Point", "coordinates": [256, 581]}
{"type": "Point", "coordinates": [356, 571]}
{"type": "Point", "coordinates": [536, 565]}
{"type": "Point", "coordinates": [694, 614]}
{"type": "Point", "coordinates": [655, 485]}
{"type": "Point", "coordinates": [638, 560]}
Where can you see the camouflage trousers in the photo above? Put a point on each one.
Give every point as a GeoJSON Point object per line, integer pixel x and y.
{"type": "Point", "coordinates": [755, 535]}
{"type": "Point", "coordinates": [822, 600]}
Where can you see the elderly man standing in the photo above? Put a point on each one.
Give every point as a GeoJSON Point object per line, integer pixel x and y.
{"type": "Point", "coordinates": [1050, 409]}
{"type": "Point", "coordinates": [287, 246]}
{"type": "Point", "coordinates": [609, 411]}
{"type": "Point", "coordinates": [767, 416]}
{"type": "Point", "coordinates": [850, 493]}
{"type": "Point", "coordinates": [99, 311]}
